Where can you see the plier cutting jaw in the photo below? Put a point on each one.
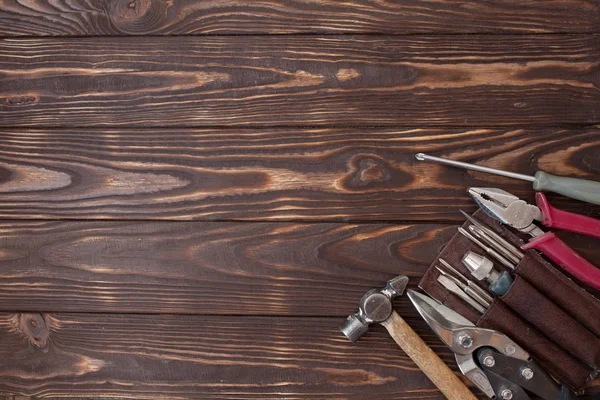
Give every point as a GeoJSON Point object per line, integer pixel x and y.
{"type": "Point", "coordinates": [492, 361]}
{"type": "Point", "coordinates": [509, 209]}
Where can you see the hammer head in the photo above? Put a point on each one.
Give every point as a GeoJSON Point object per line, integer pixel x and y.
{"type": "Point", "coordinates": [374, 307]}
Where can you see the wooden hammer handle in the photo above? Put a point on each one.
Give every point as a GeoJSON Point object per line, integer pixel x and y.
{"type": "Point", "coordinates": [435, 369]}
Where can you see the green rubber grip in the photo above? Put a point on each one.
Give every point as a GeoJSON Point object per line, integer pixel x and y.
{"type": "Point", "coordinates": [580, 189]}
{"type": "Point", "coordinates": [502, 284]}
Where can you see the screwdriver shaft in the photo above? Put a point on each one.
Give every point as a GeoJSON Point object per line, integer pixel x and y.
{"type": "Point", "coordinates": [487, 249]}
{"type": "Point", "coordinates": [469, 282]}
{"type": "Point", "coordinates": [479, 233]}
{"type": "Point", "coordinates": [453, 288]}
{"type": "Point", "coordinates": [466, 288]}
{"type": "Point", "coordinates": [481, 292]}
{"type": "Point", "coordinates": [475, 295]}
{"type": "Point", "coordinates": [460, 164]}
{"type": "Point", "coordinates": [497, 238]}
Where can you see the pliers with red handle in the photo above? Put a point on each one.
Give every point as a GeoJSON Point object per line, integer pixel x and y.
{"type": "Point", "coordinates": [514, 212]}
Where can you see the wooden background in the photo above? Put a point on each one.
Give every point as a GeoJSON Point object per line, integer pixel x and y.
{"type": "Point", "coordinates": [194, 194]}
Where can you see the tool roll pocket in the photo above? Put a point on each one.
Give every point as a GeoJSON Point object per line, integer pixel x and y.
{"type": "Point", "coordinates": [557, 361]}
{"type": "Point", "coordinates": [533, 311]}
{"type": "Point", "coordinates": [551, 320]}
{"type": "Point", "coordinates": [565, 293]}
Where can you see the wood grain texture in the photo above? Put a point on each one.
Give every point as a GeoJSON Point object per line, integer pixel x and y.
{"type": "Point", "coordinates": [207, 268]}
{"type": "Point", "coordinates": [276, 174]}
{"type": "Point", "coordinates": [190, 17]}
{"type": "Point", "coordinates": [484, 80]}
{"type": "Point", "coordinates": [142, 356]}
{"type": "Point", "coordinates": [213, 268]}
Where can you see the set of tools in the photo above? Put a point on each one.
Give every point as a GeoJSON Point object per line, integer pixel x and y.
{"type": "Point", "coordinates": [492, 361]}
{"type": "Point", "coordinates": [463, 287]}
{"type": "Point", "coordinates": [504, 251]}
{"type": "Point", "coordinates": [481, 268]}
{"type": "Point", "coordinates": [518, 214]}
{"type": "Point", "coordinates": [375, 307]}
{"type": "Point", "coordinates": [497, 365]}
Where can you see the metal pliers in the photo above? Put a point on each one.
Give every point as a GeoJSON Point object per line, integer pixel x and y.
{"type": "Point", "coordinates": [519, 214]}
{"type": "Point", "coordinates": [514, 212]}
{"type": "Point", "coordinates": [488, 358]}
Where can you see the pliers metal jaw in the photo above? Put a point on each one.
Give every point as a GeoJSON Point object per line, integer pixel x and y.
{"type": "Point", "coordinates": [508, 209]}
{"type": "Point", "coordinates": [491, 360]}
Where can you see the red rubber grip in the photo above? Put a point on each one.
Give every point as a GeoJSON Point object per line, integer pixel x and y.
{"type": "Point", "coordinates": [568, 221]}
{"type": "Point", "coordinates": [566, 257]}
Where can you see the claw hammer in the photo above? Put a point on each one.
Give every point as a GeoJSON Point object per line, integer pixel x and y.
{"type": "Point", "coordinates": [376, 307]}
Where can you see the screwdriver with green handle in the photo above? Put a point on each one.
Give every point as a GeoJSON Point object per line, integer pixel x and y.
{"type": "Point", "coordinates": [575, 188]}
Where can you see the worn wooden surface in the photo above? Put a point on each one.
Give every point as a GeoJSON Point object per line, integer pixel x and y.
{"type": "Point", "coordinates": [301, 80]}
{"type": "Point", "coordinates": [142, 356]}
{"type": "Point", "coordinates": [158, 17]}
{"type": "Point", "coordinates": [275, 174]}
{"type": "Point", "coordinates": [191, 212]}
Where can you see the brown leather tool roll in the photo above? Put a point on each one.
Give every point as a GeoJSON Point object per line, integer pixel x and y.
{"type": "Point", "coordinates": [554, 359]}
{"type": "Point", "coordinates": [549, 282]}
{"type": "Point", "coordinates": [565, 293]}
{"type": "Point", "coordinates": [551, 320]}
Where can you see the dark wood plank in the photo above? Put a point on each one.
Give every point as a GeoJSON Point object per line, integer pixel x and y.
{"type": "Point", "coordinates": [141, 356]}
{"type": "Point", "coordinates": [484, 80]}
{"type": "Point", "coordinates": [206, 268]}
{"type": "Point", "coordinates": [190, 17]}
{"type": "Point", "coordinates": [212, 268]}
{"type": "Point", "coordinates": [276, 174]}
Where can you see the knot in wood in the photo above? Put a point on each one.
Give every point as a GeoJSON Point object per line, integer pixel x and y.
{"type": "Point", "coordinates": [367, 171]}
{"type": "Point", "coordinates": [371, 172]}
{"type": "Point", "coordinates": [138, 17]}
{"type": "Point", "coordinates": [34, 327]}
